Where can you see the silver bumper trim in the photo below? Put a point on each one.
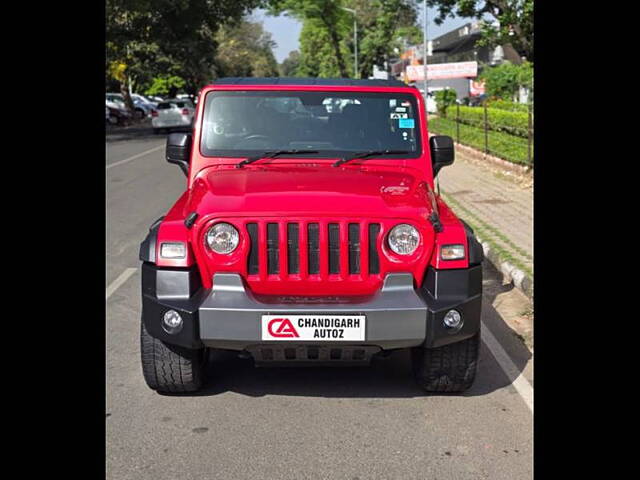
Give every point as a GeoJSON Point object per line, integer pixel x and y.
{"type": "Point", "coordinates": [230, 317]}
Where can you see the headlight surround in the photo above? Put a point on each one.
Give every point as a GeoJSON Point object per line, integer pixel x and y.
{"type": "Point", "coordinates": [222, 238]}
{"type": "Point", "coordinates": [452, 252]}
{"type": "Point", "coordinates": [403, 239]}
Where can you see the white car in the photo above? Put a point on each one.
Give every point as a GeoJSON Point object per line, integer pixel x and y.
{"type": "Point", "coordinates": [175, 113]}
{"type": "Point", "coordinates": [430, 100]}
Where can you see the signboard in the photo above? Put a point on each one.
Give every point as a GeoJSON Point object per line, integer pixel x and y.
{"type": "Point", "coordinates": [476, 88]}
{"type": "Point", "coordinates": [438, 71]}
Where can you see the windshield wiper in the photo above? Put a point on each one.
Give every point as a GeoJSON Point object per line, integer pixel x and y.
{"type": "Point", "coordinates": [272, 154]}
{"type": "Point", "coordinates": [369, 153]}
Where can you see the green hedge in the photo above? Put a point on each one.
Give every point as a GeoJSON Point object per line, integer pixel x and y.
{"type": "Point", "coordinates": [503, 145]}
{"type": "Point", "coordinates": [514, 123]}
{"type": "Point", "coordinates": [507, 105]}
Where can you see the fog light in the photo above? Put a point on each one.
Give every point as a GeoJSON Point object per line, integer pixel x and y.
{"type": "Point", "coordinates": [172, 322]}
{"type": "Point", "coordinates": [453, 319]}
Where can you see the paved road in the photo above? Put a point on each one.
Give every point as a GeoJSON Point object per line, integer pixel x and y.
{"type": "Point", "coordinates": [296, 423]}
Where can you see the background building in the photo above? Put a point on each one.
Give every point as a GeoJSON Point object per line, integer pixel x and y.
{"type": "Point", "coordinates": [456, 46]}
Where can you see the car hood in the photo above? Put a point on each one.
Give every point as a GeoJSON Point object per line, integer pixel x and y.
{"type": "Point", "coordinates": [308, 190]}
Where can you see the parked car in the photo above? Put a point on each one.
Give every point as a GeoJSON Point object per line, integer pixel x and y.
{"type": "Point", "coordinates": [174, 113]}
{"type": "Point", "coordinates": [477, 101]}
{"type": "Point", "coordinates": [144, 104]}
{"type": "Point", "coordinates": [430, 100]}
{"type": "Point", "coordinates": [142, 107]}
{"type": "Point", "coordinates": [143, 99]}
{"type": "Point", "coordinates": [115, 99]}
{"type": "Point", "coordinates": [107, 115]}
{"type": "Point", "coordinates": [309, 237]}
{"type": "Point", "coordinates": [119, 116]}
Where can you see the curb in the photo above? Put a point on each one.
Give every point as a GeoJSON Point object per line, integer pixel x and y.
{"type": "Point", "coordinates": [478, 155]}
{"type": "Point", "coordinates": [510, 273]}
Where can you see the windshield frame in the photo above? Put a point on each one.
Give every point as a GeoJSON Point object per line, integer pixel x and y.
{"type": "Point", "coordinates": [399, 93]}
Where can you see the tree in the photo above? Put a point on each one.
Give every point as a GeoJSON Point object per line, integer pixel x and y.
{"type": "Point", "coordinates": [165, 85]}
{"type": "Point", "coordinates": [515, 18]}
{"type": "Point", "coordinates": [505, 80]}
{"type": "Point", "coordinates": [318, 15]}
{"type": "Point", "coordinates": [326, 40]}
{"type": "Point", "coordinates": [245, 50]}
{"type": "Point", "coordinates": [317, 55]}
{"type": "Point", "coordinates": [444, 99]}
{"type": "Point", "coordinates": [151, 38]}
{"type": "Point", "coordinates": [289, 66]}
{"type": "Point", "coordinates": [380, 22]}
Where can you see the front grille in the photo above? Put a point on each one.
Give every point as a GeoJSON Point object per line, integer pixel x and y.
{"type": "Point", "coordinates": [313, 248]}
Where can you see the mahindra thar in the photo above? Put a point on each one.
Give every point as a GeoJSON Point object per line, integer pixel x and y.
{"type": "Point", "coordinates": [310, 232]}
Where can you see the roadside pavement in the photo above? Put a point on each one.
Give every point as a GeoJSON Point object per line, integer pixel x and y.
{"type": "Point", "coordinates": [497, 204]}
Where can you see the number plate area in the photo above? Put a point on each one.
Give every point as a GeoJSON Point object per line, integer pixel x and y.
{"type": "Point", "coordinates": [316, 328]}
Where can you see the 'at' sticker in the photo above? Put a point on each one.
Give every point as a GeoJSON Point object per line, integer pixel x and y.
{"type": "Point", "coordinates": [406, 123]}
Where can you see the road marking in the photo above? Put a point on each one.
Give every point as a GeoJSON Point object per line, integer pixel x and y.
{"type": "Point", "coordinates": [520, 383]}
{"type": "Point", "coordinates": [146, 152]}
{"type": "Point", "coordinates": [117, 283]}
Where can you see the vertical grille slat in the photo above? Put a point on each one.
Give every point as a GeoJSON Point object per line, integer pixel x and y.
{"type": "Point", "coordinates": [273, 249]}
{"type": "Point", "coordinates": [304, 252]}
{"type": "Point", "coordinates": [313, 242]}
{"type": "Point", "coordinates": [293, 248]}
{"type": "Point", "coordinates": [253, 268]}
{"type": "Point", "coordinates": [354, 248]}
{"type": "Point", "coordinates": [334, 248]}
{"type": "Point", "coordinates": [374, 260]}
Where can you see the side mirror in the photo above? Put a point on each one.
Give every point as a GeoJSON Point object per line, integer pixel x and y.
{"type": "Point", "coordinates": [179, 150]}
{"type": "Point", "coordinates": [442, 152]}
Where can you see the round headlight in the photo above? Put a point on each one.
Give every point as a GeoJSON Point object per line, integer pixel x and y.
{"type": "Point", "coordinates": [222, 238]}
{"type": "Point", "coordinates": [404, 239]}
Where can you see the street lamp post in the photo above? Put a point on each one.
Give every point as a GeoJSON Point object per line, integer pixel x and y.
{"type": "Point", "coordinates": [355, 39]}
{"type": "Point", "coordinates": [424, 50]}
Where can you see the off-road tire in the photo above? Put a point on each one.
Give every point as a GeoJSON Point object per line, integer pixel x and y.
{"type": "Point", "coordinates": [170, 368]}
{"type": "Point", "coordinates": [450, 368]}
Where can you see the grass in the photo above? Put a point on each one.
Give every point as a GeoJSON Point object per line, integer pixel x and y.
{"type": "Point", "coordinates": [502, 145]}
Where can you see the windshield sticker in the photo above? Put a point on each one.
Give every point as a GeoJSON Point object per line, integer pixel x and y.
{"type": "Point", "coordinates": [401, 109]}
{"type": "Point", "coordinates": [406, 123]}
{"type": "Point", "coordinates": [399, 115]}
{"type": "Point", "coordinates": [392, 102]}
{"type": "Point", "coordinates": [406, 104]}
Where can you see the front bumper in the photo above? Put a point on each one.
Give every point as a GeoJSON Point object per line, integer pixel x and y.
{"type": "Point", "coordinates": [228, 316]}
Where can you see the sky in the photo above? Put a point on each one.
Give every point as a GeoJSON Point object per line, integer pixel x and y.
{"type": "Point", "coordinates": [285, 31]}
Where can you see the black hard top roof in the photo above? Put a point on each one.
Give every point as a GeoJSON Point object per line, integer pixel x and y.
{"type": "Point", "coordinates": [308, 81]}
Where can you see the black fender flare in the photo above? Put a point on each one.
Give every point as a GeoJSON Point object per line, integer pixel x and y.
{"type": "Point", "coordinates": [148, 245]}
{"type": "Point", "coordinates": [476, 252]}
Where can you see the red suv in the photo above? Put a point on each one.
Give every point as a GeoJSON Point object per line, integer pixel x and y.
{"type": "Point", "coordinates": [310, 232]}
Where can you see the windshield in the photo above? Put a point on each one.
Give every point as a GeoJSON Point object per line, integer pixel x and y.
{"type": "Point", "coordinates": [244, 123]}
